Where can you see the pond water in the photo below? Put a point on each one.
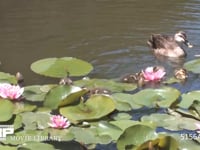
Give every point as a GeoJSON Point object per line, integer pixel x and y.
{"type": "Point", "coordinates": [109, 34]}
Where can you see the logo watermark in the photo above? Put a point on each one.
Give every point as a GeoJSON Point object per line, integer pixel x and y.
{"type": "Point", "coordinates": [6, 130]}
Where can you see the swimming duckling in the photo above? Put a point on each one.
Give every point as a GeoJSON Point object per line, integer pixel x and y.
{"type": "Point", "coordinates": [169, 45]}
{"type": "Point", "coordinates": [181, 74]}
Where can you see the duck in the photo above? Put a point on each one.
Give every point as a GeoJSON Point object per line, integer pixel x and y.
{"type": "Point", "coordinates": [169, 46]}
{"type": "Point", "coordinates": [181, 74]}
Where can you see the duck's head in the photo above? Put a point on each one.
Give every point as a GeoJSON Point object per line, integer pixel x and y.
{"type": "Point", "coordinates": [181, 37]}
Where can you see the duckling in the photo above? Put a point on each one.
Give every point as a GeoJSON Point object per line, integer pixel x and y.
{"type": "Point", "coordinates": [130, 78]}
{"type": "Point", "coordinates": [66, 80]}
{"type": "Point", "coordinates": [20, 79]}
{"type": "Point", "coordinates": [181, 74]}
{"type": "Point", "coordinates": [169, 45]}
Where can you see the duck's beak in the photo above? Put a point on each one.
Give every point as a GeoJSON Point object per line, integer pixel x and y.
{"type": "Point", "coordinates": [188, 44]}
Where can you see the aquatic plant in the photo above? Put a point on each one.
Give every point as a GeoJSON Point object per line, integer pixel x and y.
{"type": "Point", "coordinates": [59, 122]}
{"type": "Point", "coordinates": [153, 73]}
{"type": "Point", "coordinates": [128, 116]}
{"type": "Point", "coordinates": [9, 91]}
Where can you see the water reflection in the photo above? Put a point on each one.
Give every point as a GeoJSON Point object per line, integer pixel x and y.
{"type": "Point", "coordinates": [110, 34]}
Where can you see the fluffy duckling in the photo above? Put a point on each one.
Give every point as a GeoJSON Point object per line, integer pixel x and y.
{"type": "Point", "coordinates": [181, 74]}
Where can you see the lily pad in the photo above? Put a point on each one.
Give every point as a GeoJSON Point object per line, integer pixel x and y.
{"type": "Point", "coordinates": [61, 67]}
{"type": "Point", "coordinates": [193, 66]}
{"type": "Point", "coordinates": [106, 84]}
{"type": "Point", "coordinates": [20, 107]}
{"type": "Point", "coordinates": [135, 136]}
{"type": "Point", "coordinates": [6, 77]}
{"type": "Point", "coordinates": [94, 108]}
{"type": "Point", "coordinates": [60, 135]}
{"type": "Point", "coordinates": [38, 120]}
{"type": "Point", "coordinates": [63, 95]}
{"type": "Point", "coordinates": [36, 145]}
{"type": "Point", "coordinates": [188, 99]}
{"type": "Point", "coordinates": [163, 97]}
{"type": "Point", "coordinates": [89, 136]}
{"type": "Point", "coordinates": [122, 98]}
{"type": "Point", "coordinates": [36, 92]}
{"type": "Point", "coordinates": [8, 147]}
{"type": "Point", "coordinates": [21, 137]}
{"type": "Point", "coordinates": [6, 110]}
{"type": "Point", "coordinates": [170, 122]}
{"type": "Point", "coordinates": [162, 142]}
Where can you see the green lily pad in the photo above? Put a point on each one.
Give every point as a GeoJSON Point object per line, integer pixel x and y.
{"type": "Point", "coordinates": [8, 147]}
{"type": "Point", "coordinates": [188, 99]}
{"type": "Point", "coordinates": [6, 110]}
{"type": "Point", "coordinates": [35, 120]}
{"type": "Point", "coordinates": [124, 124]}
{"type": "Point", "coordinates": [63, 95]}
{"type": "Point", "coordinates": [171, 122]}
{"type": "Point", "coordinates": [20, 107]}
{"type": "Point", "coordinates": [106, 84]}
{"type": "Point", "coordinates": [60, 135]}
{"type": "Point", "coordinates": [105, 128]}
{"type": "Point", "coordinates": [6, 77]}
{"type": "Point", "coordinates": [95, 107]}
{"type": "Point", "coordinates": [135, 136]}
{"type": "Point", "coordinates": [193, 66]}
{"type": "Point", "coordinates": [89, 136]}
{"type": "Point", "coordinates": [17, 122]}
{"type": "Point", "coordinates": [124, 100]}
{"type": "Point", "coordinates": [60, 67]}
{"type": "Point", "coordinates": [162, 97]}
{"type": "Point", "coordinates": [36, 145]}
{"type": "Point", "coordinates": [36, 92]}
{"type": "Point", "coordinates": [165, 142]}
{"type": "Point", "coordinates": [26, 136]}
{"type": "Point", "coordinates": [122, 116]}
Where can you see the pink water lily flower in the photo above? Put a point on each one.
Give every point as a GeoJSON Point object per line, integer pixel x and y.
{"type": "Point", "coordinates": [153, 73]}
{"type": "Point", "coordinates": [10, 91]}
{"type": "Point", "coordinates": [59, 122]}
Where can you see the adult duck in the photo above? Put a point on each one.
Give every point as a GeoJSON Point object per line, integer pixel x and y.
{"type": "Point", "coordinates": [170, 46]}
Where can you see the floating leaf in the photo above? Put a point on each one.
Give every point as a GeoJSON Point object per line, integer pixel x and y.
{"type": "Point", "coordinates": [89, 136]}
{"type": "Point", "coordinates": [122, 116]}
{"type": "Point", "coordinates": [121, 99]}
{"type": "Point", "coordinates": [63, 95]}
{"type": "Point", "coordinates": [6, 77]}
{"type": "Point", "coordinates": [8, 147]}
{"type": "Point", "coordinates": [162, 97]}
{"type": "Point", "coordinates": [188, 99]}
{"type": "Point", "coordinates": [94, 108]}
{"type": "Point", "coordinates": [36, 145]}
{"type": "Point", "coordinates": [135, 136]}
{"type": "Point", "coordinates": [35, 120]}
{"type": "Point", "coordinates": [36, 92]}
{"type": "Point", "coordinates": [20, 107]}
{"type": "Point", "coordinates": [26, 136]}
{"type": "Point", "coordinates": [105, 128]}
{"type": "Point", "coordinates": [60, 135]}
{"type": "Point", "coordinates": [106, 84]}
{"type": "Point", "coordinates": [164, 142]}
{"type": "Point", "coordinates": [193, 66]}
{"type": "Point", "coordinates": [60, 67]}
{"type": "Point", "coordinates": [170, 122]}
{"type": "Point", "coordinates": [17, 122]}
{"type": "Point", "coordinates": [6, 110]}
